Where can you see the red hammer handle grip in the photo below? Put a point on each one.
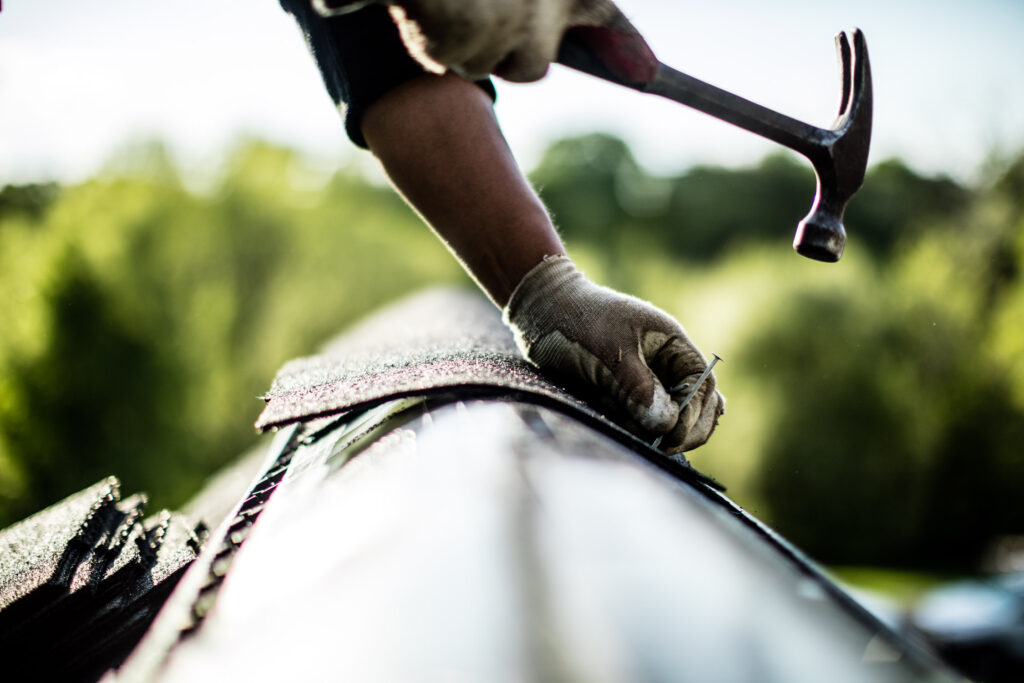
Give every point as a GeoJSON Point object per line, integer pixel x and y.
{"type": "Point", "coordinates": [614, 50]}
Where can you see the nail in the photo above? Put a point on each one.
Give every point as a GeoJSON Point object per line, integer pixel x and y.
{"type": "Point", "coordinates": [657, 442]}
{"type": "Point", "coordinates": [700, 380]}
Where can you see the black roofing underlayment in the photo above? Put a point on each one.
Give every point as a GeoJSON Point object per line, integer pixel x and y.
{"type": "Point", "coordinates": [81, 581]}
{"type": "Point", "coordinates": [429, 343]}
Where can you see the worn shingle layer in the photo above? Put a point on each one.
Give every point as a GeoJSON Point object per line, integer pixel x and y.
{"type": "Point", "coordinates": [430, 342]}
{"type": "Point", "coordinates": [441, 341]}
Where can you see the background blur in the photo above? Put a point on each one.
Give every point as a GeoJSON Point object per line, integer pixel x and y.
{"type": "Point", "coordinates": [180, 214]}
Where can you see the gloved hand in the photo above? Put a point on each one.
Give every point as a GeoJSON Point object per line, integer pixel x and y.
{"type": "Point", "coordinates": [514, 39]}
{"type": "Point", "coordinates": [624, 348]}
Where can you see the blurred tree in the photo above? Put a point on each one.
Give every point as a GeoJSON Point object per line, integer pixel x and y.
{"type": "Point", "coordinates": [1009, 184]}
{"type": "Point", "coordinates": [716, 208]}
{"type": "Point", "coordinates": [897, 437]}
{"type": "Point", "coordinates": [99, 393]}
{"type": "Point", "coordinates": [892, 424]}
{"type": "Point", "coordinates": [578, 179]}
{"type": "Point", "coordinates": [599, 194]}
{"type": "Point", "coordinates": [141, 319]}
{"type": "Point", "coordinates": [895, 203]}
{"type": "Point", "coordinates": [31, 200]}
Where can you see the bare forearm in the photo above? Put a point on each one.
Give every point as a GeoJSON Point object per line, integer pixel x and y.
{"type": "Point", "coordinates": [440, 144]}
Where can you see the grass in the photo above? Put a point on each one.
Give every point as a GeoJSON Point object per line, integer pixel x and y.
{"type": "Point", "coordinates": [902, 587]}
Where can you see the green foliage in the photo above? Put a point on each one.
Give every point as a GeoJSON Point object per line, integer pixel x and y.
{"type": "Point", "coordinates": [892, 423]}
{"type": "Point", "coordinates": [901, 437]}
{"type": "Point", "coordinates": [896, 204]}
{"type": "Point", "coordinates": [876, 406]}
{"type": "Point", "coordinates": [903, 588]}
{"type": "Point", "coordinates": [599, 195]}
{"type": "Point", "coordinates": [30, 200]}
{"type": "Point", "coordinates": [579, 180]}
{"type": "Point", "coordinates": [714, 209]}
{"type": "Point", "coordinates": [142, 320]}
{"type": "Point", "coordinates": [95, 394]}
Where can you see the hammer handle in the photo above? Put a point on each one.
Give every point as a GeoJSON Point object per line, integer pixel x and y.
{"type": "Point", "coordinates": [722, 104]}
{"type": "Point", "coordinates": [618, 53]}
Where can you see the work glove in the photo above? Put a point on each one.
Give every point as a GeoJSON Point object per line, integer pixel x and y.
{"type": "Point", "coordinates": [513, 39]}
{"type": "Point", "coordinates": [624, 352]}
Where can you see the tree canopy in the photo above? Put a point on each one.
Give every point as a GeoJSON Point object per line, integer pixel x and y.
{"type": "Point", "coordinates": [876, 405]}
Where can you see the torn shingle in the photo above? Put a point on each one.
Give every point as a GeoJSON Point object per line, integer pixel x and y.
{"type": "Point", "coordinates": [81, 581]}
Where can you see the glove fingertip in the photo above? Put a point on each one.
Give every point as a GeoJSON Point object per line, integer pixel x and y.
{"type": "Point", "coordinates": [706, 422]}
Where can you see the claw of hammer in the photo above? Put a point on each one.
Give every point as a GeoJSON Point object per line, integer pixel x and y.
{"type": "Point", "coordinates": [616, 52]}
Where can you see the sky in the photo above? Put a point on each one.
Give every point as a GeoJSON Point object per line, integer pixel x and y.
{"type": "Point", "coordinates": [79, 80]}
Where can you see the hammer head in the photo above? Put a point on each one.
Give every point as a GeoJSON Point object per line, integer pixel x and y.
{"type": "Point", "coordinates": [841, 156]}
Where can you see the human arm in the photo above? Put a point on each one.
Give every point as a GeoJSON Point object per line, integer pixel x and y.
{"type": "Point", "coordinates": [440, 143]}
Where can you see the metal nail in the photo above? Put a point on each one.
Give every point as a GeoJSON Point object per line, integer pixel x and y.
{"type": "Point", "coordinates": [700, 380]}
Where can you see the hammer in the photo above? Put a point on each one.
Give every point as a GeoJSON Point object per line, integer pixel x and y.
{"type": "Point", "coordinates": [616, 52]}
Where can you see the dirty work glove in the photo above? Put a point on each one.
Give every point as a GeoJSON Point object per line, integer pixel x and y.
{"type": "Point", "coordinates": [514, 39]}
{"type": "Point", "coordinates": [625, 349]}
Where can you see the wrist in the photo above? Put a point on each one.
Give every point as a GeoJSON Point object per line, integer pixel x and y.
{"type": "Point", "coordinates": [547, 294]}
{"type": "Point", "coordinates": [534, 287]}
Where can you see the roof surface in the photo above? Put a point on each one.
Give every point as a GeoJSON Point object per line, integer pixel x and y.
{"type": "Point", "coordinates": [430, 343]}
{"type": "Point", "coordinates": [404, 528]}
{"type": "Point", "coordinates": [496, 540]}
